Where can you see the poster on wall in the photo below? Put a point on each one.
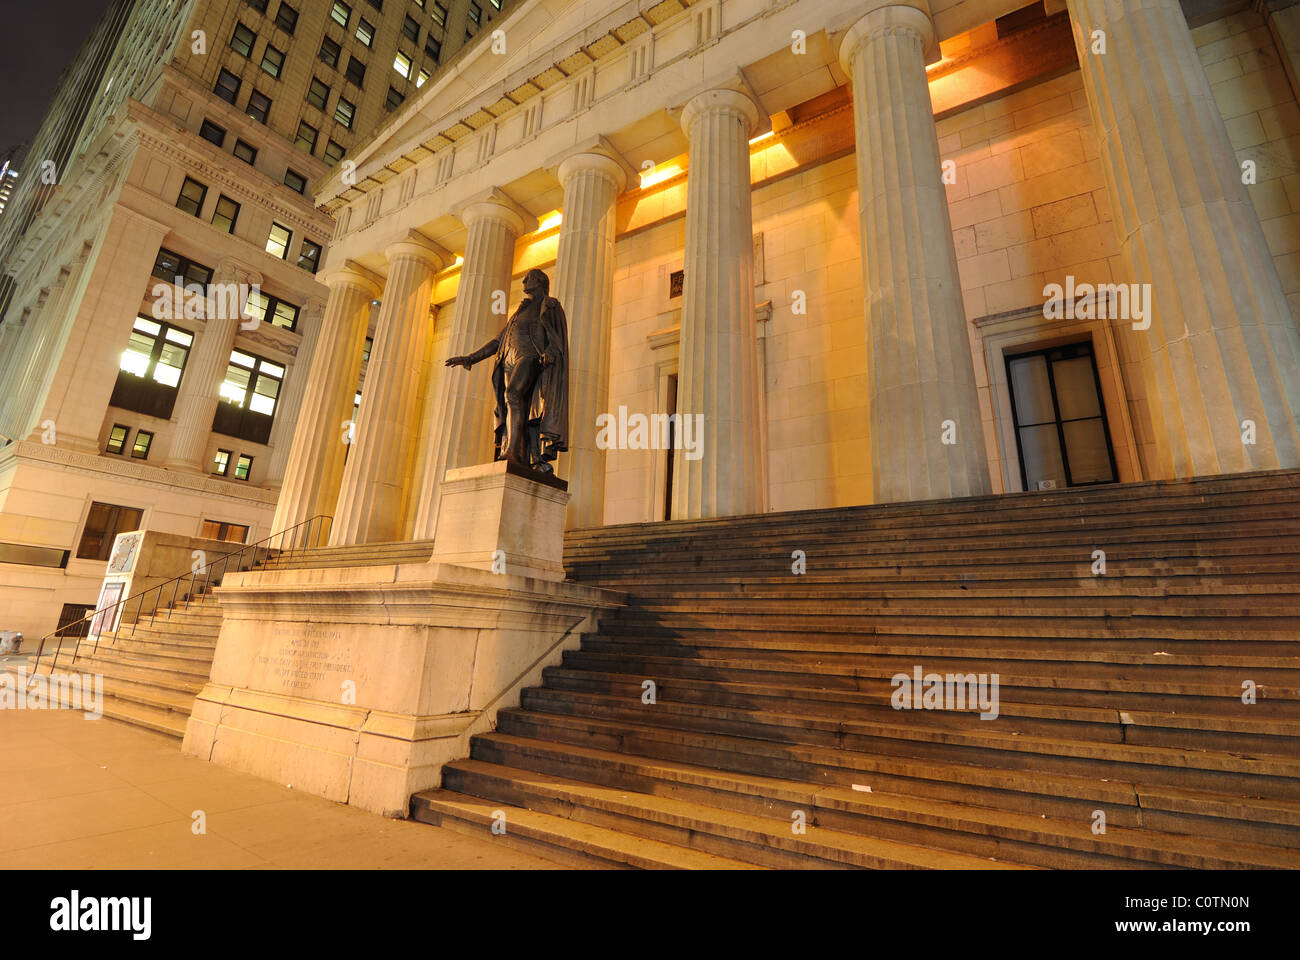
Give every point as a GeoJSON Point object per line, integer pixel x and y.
{"type": "Point", "coordinates": [105, 619]}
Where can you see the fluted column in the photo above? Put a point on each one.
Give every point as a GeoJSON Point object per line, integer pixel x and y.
{"type": "Point", "coordinates": [461, 401]}
{"type": "Point", "coordinates": [40, 353]}
{"type": "Point", "coordinates": [584, 285]}
{"type": "Point", "coordinates": [14, 361]}
{"type": "Point", "coordinates": [927, 439]}
{"type": "Point", "coordinates": [289, 403]}
{"type": "Point", "coordinates": [376, 480]}
{"type": "Point", "coordinates": [1223, 345]}
{"type": "Point", "coordinates": [718, 370]}
{"type": "Point", "coordinates": [315, 467]}
{"type": "Point", "coordinates": [205, 370]}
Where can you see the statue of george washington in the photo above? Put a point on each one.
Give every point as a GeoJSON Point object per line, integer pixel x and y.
{"type": "Point", "coordinates": [530, 378]}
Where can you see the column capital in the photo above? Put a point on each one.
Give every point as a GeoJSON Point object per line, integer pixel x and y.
{"type": "Point", "coordinates": [416, 246]}
{"type": "Point", "coordinates": [721, 99]}
{"type": "Point", "coordinates": [494, 204]}
{"type": "Point", "coordinates": [610, 169]}
{"type": "Point", "coordinates": [353, 274]}
{"type": "Point", "coordinates": [888, 16]}
{"type": "Point", "coordinates": [233, 270]}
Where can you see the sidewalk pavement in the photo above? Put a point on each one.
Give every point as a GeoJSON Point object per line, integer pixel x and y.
{"type": "Point", "coordinates": [85, 794]}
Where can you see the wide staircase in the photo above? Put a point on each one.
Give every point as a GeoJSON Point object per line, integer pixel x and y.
{"type": "Point", "coordinates": [769, 738]}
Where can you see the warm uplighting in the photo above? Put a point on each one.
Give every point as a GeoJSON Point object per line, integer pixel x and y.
{"type": "Point", "coordinates": [665, 171]}
{"type": "Point", "coordinates": [762, 136]}
{"type": "Point", "coordinates": [550, 221]}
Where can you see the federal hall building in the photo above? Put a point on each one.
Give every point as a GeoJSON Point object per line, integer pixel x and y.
{"type": "Point", "coordinates": [906, 338]}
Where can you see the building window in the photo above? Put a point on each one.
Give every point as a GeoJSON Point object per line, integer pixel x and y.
{"type": "Point", "coordinates": [309, 256]}
{"type": "Point", "coordinates": [402, 64]}
{"type": "Point", "coordinates": [306, 137]}
{"type": "Point", "coordinates": [246, 152]}
{"type": "Point", "coordinates": [286, 18]}
{"type": "Point", "coordinates": [340, 13]}
{"type": "Point", "coordinates": [329, 52]}
{"type": "Point", "coordinates": [243, 466]}
{"type": "Point", "coordinates": [221, 463]}
{"type": "Point", "coordinates": [242, 41]}
{"type": "Point", "coordinates": [221, 530]}
{"type": "Point", "coordinates": [174, 268]}
{"type": "Point", "coordinates": [318, 94]}
{"type": "Point", "coordinates": [424, 75]}
{"type": "Point", "coordinates": [475, 13]}
{"type": "Point", "coordinates": [227, 87]}
{"type": "Point", "coordinates": [365, 31]}
{"type": "Point", "coordinates": [439, 14]}
{"type": "Point", "coordinates": [192, 196]}
{"type": "Point", "coordinates": [258, 5]}
{"type": "Point", "coordinates": [277, 244]}
{"type": "Point", "coordinates": [377, 4]}
{"type": "Point", "coordinates": [259, 105]}
{"type": "Point", "coordinates": [356, 71]}
{"type": "Point", "coordinates": [411, 29]}
{"type": "Point", "coordinates": [213, 133]}
{"type": "Point", "coordinates": [143, 441]}
{"type": "Point", "coordinates": [104, 522]}
{"type": "Point", "coordinates": [249, 396]}
{"type": "Point", "coordinates": [295, 181]}
{"type": "Point", "coordinates": [272, 61]}
{"type": "Point", "coordinates": [344, 112]}
{"type": "Point", "coordinates": [395, 98]}
{"type": "Point", "coordinates": [365, 352]}
{"type": "Point", "coordinates": [117, 438]}
{"type": "Point", "coordinates": [273, 310]}
{"type": "Point", "coordinates": [225, 215]}
{"type": "Point", "coordinates": [150, 368]}
{"type": "Point", "coordinates": [433, 48]}
{"type": "Point", "coordinates": [333, 152]}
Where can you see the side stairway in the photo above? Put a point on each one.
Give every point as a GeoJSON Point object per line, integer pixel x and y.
{"type": "Point", "coordinates": [153, 670]}
{"type": "Point", "coordinates": [1121, 737]}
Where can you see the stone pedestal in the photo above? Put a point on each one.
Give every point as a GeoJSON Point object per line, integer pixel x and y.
{"type": "Point", "coordinates": [503, 518]}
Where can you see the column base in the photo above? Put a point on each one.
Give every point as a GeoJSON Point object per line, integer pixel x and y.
{"type": "Point", "coordinates": [502, 517]}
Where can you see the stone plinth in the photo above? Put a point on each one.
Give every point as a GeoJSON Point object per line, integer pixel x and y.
{"type": "Point", "coordinates": [498, 516]}
{"type": "Point", "coordinates": [357, 684]}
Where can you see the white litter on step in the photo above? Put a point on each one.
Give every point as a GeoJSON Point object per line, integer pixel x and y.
{"type": "Point", "coordinates": [861, 788]}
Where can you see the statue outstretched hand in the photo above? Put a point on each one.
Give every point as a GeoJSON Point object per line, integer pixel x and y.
{"type": "Point", "coordinates": [465, 362]}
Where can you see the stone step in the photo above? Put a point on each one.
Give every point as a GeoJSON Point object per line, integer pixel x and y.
{"type": "Point", "coordinates": [505, 767]}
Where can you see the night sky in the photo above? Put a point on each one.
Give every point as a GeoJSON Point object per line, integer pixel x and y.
{"type": "Point", "coordinates": [38, 38]}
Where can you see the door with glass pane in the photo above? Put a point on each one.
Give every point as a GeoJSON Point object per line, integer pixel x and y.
{"type": "Point", "coordinates": [1060, 421]}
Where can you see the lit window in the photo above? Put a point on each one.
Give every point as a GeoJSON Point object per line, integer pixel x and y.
{"type": "Point", "coordinates": [340, 13]}
{"type": "Point", "coordinates": [117, 438]}
{"type": "Point", "coordinates": [439, 14]}
{"type": "Point", "coordinates": [272, 61]}
{"type": "Point", "coordinates": [333, 152]}
{"type": "Point", "coordinates": [212, 133]}
{"type": "Point", "coordinates": [192, 196]}
{"type": "Point", "coordinates": [329, 52]}
{"type": "Point", "coordinates": [246, 152]}
{"type": "Point", "coordinates": [344, 112]}
{"type": "Point", "coordinates": [295, 181]}
{"type": "Point", "coordinates": [103, 523]}
{"type": "Point", "coordinates": [227, 87]}
{"type": "Point", "coordinates": [242, 40]}
{"type": "Point", "coordinates": [402, 64]}
{"type": "Point", "coordinates": [150, 368]}
{"type": "Point", "coordinates": [309, 256]}
{"type": "Point", "coordinates": [306, 137]}
{"type": "Point", "coordinates": [248, 398]}
{"type": "Point", "coordinates": [424, 75]}
{"type": "Point", "coordinates": [221, 462]}
{"type": "Point", "coordinates": [259, 105]}
{"type": "Point", "coordinates": [286, 18]}
{"type": "Point", "coordinates": [277, 312]}
{"type": "Point", "coordinates": [225, 215]}
{"type": "Point", "coordinates": [243, 466]}
{"type": "Point", "coordinates": [140, 449]}
{"type": "Point", "coordinates": [318, 93]}
{"type": "Point", "coordinates": [221, 530]}
{"type": "Point", "coordinates": [365, 31]}
{"type": "Point", "coordinates": [475, 13]}
{"type": "Point", "coordinates": [277, 244]}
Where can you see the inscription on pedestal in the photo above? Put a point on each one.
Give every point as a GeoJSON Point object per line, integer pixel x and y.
{"type": "Point", "coordinates": [301, 656]}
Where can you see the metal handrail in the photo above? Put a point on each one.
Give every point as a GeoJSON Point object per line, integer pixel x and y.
{"type": "Point", "coordinates": [300, 538]}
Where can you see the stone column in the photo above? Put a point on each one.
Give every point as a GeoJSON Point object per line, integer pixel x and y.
{"type": "Point", "coordinates": [41, 352]}
{"type": "Point", "coordinates": [205, 369]}
{"type": "Point", "coordinates": [14, 361]}
{"type": "Point", "coordinates": [461, 401]}
{"type": "Point", "coordinates": [718, 370]}
{"type": "Point", "coordinates": [292, 391]}
{"type": "Point", "coordinates": [315, 467]}
{"type": "Point", "coordinates": [584, 284]}
{"type": "Point", "coordinates": [927, 439]}
{"type": "Point", "coordinates": [376, 480]}
{"type": "Point", "coordinates": [1223, 345]}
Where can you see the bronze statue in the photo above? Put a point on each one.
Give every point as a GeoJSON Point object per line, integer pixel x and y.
{"type": "Point", "coordinates": [530, 378]}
